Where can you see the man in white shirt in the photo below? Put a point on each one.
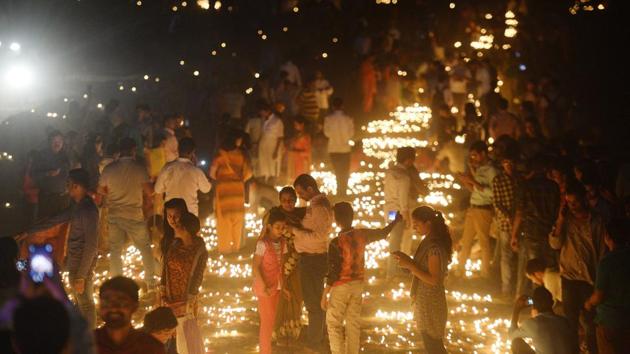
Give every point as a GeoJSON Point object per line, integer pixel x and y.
{"type": "Point", "coordinates": [171, 123]}
{"type": "Point", "coordinates": [293, 73]}
{"type": "Point", "coordinates": [541, 275]}
{"type": "Point", "coordinates": [253, 128]}
{"type": "Point", "coordinates": [311, 242]}
{"type": "Point", "coordinates": [339, 129]}
{"type": "Point", "coordinates": [398, 198]}
{"type": "Point", "coordinates": [182, 179]}
{"type": "Point", "coordinates": [269, 151]}
{"type": "Point", "coordinates": [323, 91]}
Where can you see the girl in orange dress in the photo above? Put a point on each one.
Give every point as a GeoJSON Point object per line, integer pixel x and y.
{"type": "Point", "coordinates": [299, 151]}
{"type": "Point", "coordinates": [230, 170]}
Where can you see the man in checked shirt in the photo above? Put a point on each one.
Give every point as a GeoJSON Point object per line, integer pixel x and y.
{"type": "Point", "coordinates": [505, 189]}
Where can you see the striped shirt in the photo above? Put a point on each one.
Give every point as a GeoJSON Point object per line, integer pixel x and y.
{"type": "Point", "coordinates": [307, 102]}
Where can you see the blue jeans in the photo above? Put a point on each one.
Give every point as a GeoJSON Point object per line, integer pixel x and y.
{"type": "Point", "coordinates": [530, 249]}
{"type": "Point", "coordinates": [85, 301]}
{"type": "Point", "coordinates": [508, 262]}
{"type": "Point", "coordinates": [313, 269]}
{"type": "Point", "coordinates": [137, 232]}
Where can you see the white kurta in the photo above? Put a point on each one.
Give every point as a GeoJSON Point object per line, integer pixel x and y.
{"type": "Point", "coordinates": [273, 129]}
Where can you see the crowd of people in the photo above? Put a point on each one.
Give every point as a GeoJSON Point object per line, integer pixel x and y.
{"type": "Point", "coordinates": [548, 210]}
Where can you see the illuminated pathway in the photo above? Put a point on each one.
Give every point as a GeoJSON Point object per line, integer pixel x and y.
{"type": "Point", "coordinates": [228, 307]}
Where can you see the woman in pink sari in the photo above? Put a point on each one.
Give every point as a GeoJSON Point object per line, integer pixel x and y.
{"type": "Point", "coordinates": [268, 275]}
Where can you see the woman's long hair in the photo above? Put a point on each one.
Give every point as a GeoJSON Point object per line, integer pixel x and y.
{"type": "Point", "coordinates": [169, 233]}
{"type": "Point", "coordinates": [439, 232]}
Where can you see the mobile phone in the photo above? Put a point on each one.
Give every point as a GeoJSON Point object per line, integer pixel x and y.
{"type": "Point", "coordinates": [40, 262]}
{"type": "Point", "coordinates": [530, 301]}
{"type": "Point", "coordinates": [391, 216]}
{"type": "Point", "coordinates": [400, 254]}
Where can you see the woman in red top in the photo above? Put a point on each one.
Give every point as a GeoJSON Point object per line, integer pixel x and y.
{"type": "Point", "coordinates": [268, 275]}
{"type": "Point", "coordinates": [184, 263]}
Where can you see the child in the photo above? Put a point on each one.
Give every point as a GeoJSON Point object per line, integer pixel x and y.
{"type": "Point", "coordinates": [267, 269]}
{"type": "Point", "coordinates": [346, 267]}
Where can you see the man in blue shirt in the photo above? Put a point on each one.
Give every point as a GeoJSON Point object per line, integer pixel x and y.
{"type": "Point", "coordinates": [549, 332]}
{"type": "Point", "coordinates": [612, 291]}
{"type": "Point", "coordinates": [82, 244]}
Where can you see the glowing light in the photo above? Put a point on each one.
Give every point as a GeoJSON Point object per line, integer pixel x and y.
{"type": "Point", "coordinates": [457, 44]}
{"type": "Point", "coordinates": [204, 4]}
{"type": "Point", "coordinates": [6, 156]}
{"type": "Point", "coordinates": [488, 16]}
{"type": "Point", "coordinates": [19, 77]}
{"type": "Point", "coordinates": [296, 9]}
{"type": "Point", "coordinates": [249, 90]}
{"type": "Point", "coordinates": [217, 5]}
{"type": "Point", "coordinates": [146, 77]}
{"type": "Point", "coordinates": [182, 62]}
{"type": "Point", "coordinates": [15, 47]}
{"type": "Point", "coordinates": [451, 5]}
{"type": "Point", "coordinates": [257, 75]}
{"type": "Point", "coordinates": [196, 73]}
{"type": "Point", "coordinates": [285, 29]}
{"type": "Point", "coordinates": [324, 55]}
{"type": "Point", "coordinates": [133, 89]}
{"type": "Point", "coordinates": [174, 8]}
{"type": "Point", "coordinates": [483, 42]}
{"type": "Point", "coordinates": [223, 45]}
{"type": "Point", "coordinates": [335, 40]}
